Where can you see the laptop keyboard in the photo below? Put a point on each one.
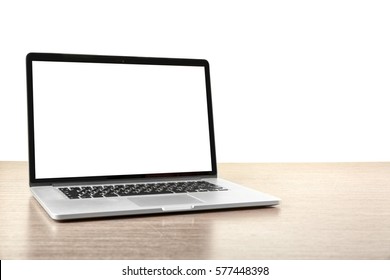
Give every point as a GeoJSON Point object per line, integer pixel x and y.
{"type": "Point", "coordinates": [139, 189]}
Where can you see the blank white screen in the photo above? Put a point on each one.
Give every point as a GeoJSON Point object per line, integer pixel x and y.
{"type": "Point", "coordinates": [93, 119]}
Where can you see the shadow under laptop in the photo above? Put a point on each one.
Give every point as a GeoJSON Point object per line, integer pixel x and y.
{"type": "Point", "coordinates": [196, 235]}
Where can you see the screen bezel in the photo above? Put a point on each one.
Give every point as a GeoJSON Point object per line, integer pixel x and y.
{"type": "Point", "coordinates": [115, 60]}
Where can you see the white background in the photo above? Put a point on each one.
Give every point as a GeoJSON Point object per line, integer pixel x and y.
{"type": "Point", "coordinates": [291, 80]}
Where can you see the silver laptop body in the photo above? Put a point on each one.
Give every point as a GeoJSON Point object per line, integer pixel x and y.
{"type": "Point", "coordinates": [112, 136]}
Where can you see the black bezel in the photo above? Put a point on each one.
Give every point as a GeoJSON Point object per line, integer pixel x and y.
{"type": "Point", "coordinates": [120, 60]}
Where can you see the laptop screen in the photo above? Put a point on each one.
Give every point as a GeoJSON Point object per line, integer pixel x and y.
{"type": "Point", "coordinates": [105, 119]}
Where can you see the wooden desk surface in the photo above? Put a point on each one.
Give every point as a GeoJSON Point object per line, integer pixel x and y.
{"type": "Point", "coordinates": [328, 211]}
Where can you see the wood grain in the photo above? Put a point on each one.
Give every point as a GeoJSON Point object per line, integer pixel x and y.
{"type": "Point", "coordinates": [328, 211]}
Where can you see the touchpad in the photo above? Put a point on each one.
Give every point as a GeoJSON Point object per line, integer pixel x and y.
{"type": "Point", "coordinates": [164, 200]}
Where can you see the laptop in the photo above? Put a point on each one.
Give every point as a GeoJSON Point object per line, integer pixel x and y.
{"type": "Point", "coordinates": [115, 136]}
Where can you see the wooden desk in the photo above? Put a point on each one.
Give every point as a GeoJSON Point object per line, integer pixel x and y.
{"type": "Point", "coordinates": [328, 211]}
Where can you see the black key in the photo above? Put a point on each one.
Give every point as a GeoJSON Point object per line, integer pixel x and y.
{"type": "Point", "coordinates": [179, 191]}
{"type": "Point", "coordinates": [110, 195]}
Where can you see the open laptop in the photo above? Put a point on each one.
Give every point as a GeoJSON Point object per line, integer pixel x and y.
{"type": "Point", "coordinates": [111, 135]}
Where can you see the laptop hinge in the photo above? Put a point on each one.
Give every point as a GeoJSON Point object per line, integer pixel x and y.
{"type": "Point", "coordinates": [143, 180]}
